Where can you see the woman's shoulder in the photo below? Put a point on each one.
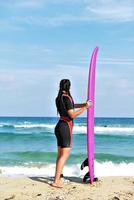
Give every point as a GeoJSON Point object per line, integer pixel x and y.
{"type": "Point", "coordinates": [67, 98]}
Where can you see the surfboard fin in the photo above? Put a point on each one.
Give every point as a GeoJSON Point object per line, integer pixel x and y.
{"type": "Point", "coordinates": [84, 164]}
{"type": "Point", "coordinates": [61, 176]}
{"type": "Point", "coordinates": [86, 178]}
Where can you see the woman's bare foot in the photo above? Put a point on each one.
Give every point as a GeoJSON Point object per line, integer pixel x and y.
{"type": "Point", "coordinates": [57, 185]}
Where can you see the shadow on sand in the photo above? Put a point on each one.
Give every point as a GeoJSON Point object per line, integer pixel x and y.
{"type": "Point", "coordinates": [49, 180]}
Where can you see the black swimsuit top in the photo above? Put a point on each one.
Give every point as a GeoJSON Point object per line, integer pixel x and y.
{"type": "Point", "coordinates": [66, 103]}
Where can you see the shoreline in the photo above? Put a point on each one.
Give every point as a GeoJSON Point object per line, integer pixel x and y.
{"type": "Point", "coordinates": [38, 188]}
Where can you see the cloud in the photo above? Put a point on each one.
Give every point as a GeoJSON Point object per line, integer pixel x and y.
{"type": "Point", "coordinates": [105, 61]}
{"type": "Point", "coordinates": [112, 10]}
{"type": "Point", "coordinates": [43, 21]}
{"type": "Point", "coordinates": [22, 79]}
{"type": "Point", "coordinates": [96, 10]}
{"type": "Point", "coordinates": [29, 47]}
{"type": "Point", "coordinates": [24, 55]}
{"type": "Point", "coordinates": [113, 61]}
{"type": "Point", "coordinates": [87, 11]}
{"type": "Point", "coordinates": [31, 85]}
{"type": "Point", "coordinates": [35, 89]}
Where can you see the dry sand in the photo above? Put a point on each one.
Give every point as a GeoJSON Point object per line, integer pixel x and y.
{"type": "Point", "coordinates": [26, 188]}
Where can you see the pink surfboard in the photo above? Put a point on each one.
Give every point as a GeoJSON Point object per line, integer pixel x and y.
{"type": "Point", "coordinates": [90, 114]}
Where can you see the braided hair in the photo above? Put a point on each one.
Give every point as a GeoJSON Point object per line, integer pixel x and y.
{"type": "Point", "coordinates": [64, 86]}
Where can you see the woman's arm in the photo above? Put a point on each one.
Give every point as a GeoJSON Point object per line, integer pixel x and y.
{"type": "Point", "coordinates": [72, 113]}
{"type": "Point", "coordinates": [79, 105]}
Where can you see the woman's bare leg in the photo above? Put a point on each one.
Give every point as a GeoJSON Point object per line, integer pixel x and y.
{"type": "Point", "coordinates": [63, 154]}
{"type": "Point", "coordinates": [59, 154]}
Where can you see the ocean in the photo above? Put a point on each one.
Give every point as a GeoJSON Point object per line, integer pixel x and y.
{"type": "Point", "coordinates": [28, 147]}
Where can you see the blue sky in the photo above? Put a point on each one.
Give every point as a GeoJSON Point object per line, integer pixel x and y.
{"type": "Point", "coordinates": [43, 41]}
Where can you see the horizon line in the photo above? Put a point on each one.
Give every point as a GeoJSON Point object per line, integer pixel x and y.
{"type": "Point", "coordinates": [14, 116]}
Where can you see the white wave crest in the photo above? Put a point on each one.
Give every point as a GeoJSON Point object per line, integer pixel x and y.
{"type": "Point", "coordinates": [112, 169]}
{"type": "Point", "coordinates": [49, 126]}
{"type": "Point", "coordinates": [114, 129]}
{"type": "Point", "coordinates": [101, 169]}
{"type": "Point", "coordinates": [77, 129]}
{"type": "Point", "coordinates": [105, 130]}
{"type": "Point", "coordinates": [83, 129]}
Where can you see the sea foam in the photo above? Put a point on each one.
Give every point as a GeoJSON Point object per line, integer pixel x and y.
{"type": "Point", "coordinates": [77, 129]}
{"type": "Point", "coordinates": [48, 170]}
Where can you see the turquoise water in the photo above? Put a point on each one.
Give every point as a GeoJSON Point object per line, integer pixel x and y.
{"type": "Point", "coordinates": [30, 141]}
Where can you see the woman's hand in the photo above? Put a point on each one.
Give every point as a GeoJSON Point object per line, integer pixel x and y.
{"type": "Point", "coordinates": [88, 104]}
{"type": "Point", "coordinates": [72, 113]}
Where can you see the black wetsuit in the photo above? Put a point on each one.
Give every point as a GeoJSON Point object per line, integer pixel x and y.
{"type": "Point", "coordinates": [63, 129]}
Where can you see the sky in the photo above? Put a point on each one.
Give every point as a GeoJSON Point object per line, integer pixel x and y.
{"type": "Point", "coordinates": [44, 41]}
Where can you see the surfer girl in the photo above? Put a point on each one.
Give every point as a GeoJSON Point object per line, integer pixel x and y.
{"type": "Point", "coordinates": [63, 130]}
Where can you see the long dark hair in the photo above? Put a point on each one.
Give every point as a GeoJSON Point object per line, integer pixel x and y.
{"type": "Point", "coordinates": [64, 86]}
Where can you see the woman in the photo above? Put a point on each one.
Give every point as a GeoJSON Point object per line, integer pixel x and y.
{"type": "Point", "coordinates": [63, 130]}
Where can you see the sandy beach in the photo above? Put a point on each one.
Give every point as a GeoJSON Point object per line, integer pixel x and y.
{"type": "Point", "coordinates": [30, 188]}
